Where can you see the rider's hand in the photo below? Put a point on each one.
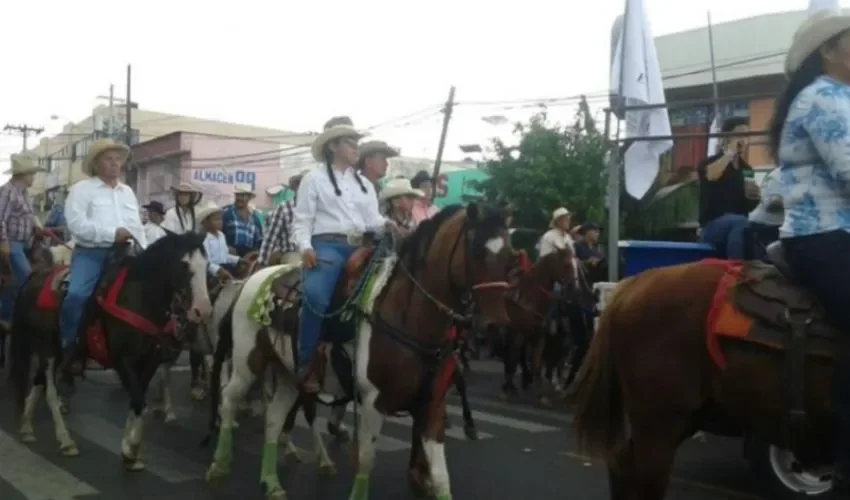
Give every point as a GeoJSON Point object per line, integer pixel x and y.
{"type": "Point", "coordinates": [308, 258]}
{"type": "Point", "coordinates": [393, 227]}
{"type": "Point", "coordinates": [224, 275]}
{"type": "Point", "coordinates": [122, 235]}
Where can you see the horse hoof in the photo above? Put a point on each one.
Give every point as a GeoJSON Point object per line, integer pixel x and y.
{"type": "Point", "coordinates": [327, 470]}
{"type": "Point", "coordinates": [69, 450]}
{"type": "Point", "coordinates": [339, 433]}
{"type": "Point", "coordinates": [198, 394]}
{"type": "Point", "coordinates": [276, 495]}
{"type": "Point", "coordinates": [170, 417]}
{"type": "Point", "coordinates": [27, 437]}
{"type": "Point", "coordinates": [136, 465]}
{"type": "Point", "coordinates": [216, 472]}
{"type": "Point", "coordinates": [471, 433]}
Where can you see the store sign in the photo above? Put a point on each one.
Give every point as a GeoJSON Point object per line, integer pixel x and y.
{"type": "Point", "coordinates": [220, 176]}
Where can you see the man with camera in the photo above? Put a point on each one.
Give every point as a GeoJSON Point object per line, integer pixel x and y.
{"type": "Point", "coordinates": [727, 193]}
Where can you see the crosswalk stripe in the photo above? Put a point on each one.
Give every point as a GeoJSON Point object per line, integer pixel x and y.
{"type": "Point", "coordinates": [35, 477]}
{"type": "Point", "coordinates": [513, 423]}
{"type": "Point", "coordinates": [167, 465]}
{"type": "Point", "coordinates": [385, 442]}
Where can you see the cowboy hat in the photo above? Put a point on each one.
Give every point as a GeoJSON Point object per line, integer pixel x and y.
{"type": "Point", "coordinates": [195, 194]}
{"type": "Point", "coordinates": [557, 214]}
{"type": "Point", "coordinates": [812, 34]}
{"type": "Point", "coordinates": [203, 214]}
{"type": "Point", "coordinates": [242, 188]}
{"type": "Point", "coordinates": [23, 165]}
{"type": "Point", "coordinates": [335, 128]}
{"type": "Point", "coordinates": [399, 187]}
{"type": "Point", "coordinates": [155, 207]}
{"type": "Point", "coordinates": [99, 147]}
{"type": "Point", "coordinates": [375, 147]}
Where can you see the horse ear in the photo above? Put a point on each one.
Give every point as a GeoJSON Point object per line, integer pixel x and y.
{"type": "Point", "coordinates": [472, 212]}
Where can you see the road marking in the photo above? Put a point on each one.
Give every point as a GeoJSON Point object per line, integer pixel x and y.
{"type": "Point", "coordinates": [385, 443]}
{"type": "Point", "coordinates": [513, 423]}
{"type": "Point", "coordinates": [35, 477]}
{"type": "Point", "coordinates": [164, 463]}
{"type": "Point", "coordinates": [514, 408]}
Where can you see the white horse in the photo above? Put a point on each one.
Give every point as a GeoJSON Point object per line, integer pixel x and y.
{"type": "Point", "coordinates": [250, 360]}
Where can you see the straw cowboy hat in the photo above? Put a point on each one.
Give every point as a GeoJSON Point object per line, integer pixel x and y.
{"type": "Point", "coordinates": [336, 127]}
{"type": "Point", "coordinates": [557, 214]}
{"type": "Point", "coordinates": [99, 147]}
{"type": "Point", "coordinates": [375, 147]}
{"type": "Point", "coordinates": [399, 187]}
{"type": "Point", "coordinates": [204, 212]}
{"type": "Point", "coordinates": [812, 34]}
{"type": "Point", "coordinates": [187, 187]}
{"type": "Point", "coordinates": [24, 165]}
{"type": "Point", "coordinates": [243, 189]}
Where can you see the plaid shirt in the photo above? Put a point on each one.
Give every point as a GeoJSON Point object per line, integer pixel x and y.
{"type": "Point", "coordinates": [242, 234]}
{"type": "Point", "coordinates": [16, 216]}
{"type": "Point", "coordinates": [279, 236]}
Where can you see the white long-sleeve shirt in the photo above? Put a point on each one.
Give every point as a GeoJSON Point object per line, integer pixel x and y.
{"type": "Point", "coordinates": [171, 221]}
{"type": "Point", "coordinates": [94, 210]}
{"type": "Point", "coordinates": [554, 240]}
{"type": "Point", "coordinates": [320, 211]}
{"type": "Point", "coordinates": [217, 252]}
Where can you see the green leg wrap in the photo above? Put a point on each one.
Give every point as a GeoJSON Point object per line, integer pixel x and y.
{"type": "Point", "coordinates": [360, 490]}
{"type": "Point", "coordinates": [268, 471]}
{"type": "Point", "coordinates": [444, 496]}
{"type": "Point", "coordinates": [224, 447]}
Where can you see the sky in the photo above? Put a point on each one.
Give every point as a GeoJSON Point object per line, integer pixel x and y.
{"type": "Point", "coordinates": [292, 65]}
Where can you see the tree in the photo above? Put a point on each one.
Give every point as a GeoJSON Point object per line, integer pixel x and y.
{"type": "Point", "coordinates": [551, 166]}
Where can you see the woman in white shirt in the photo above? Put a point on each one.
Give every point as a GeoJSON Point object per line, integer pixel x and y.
{"type": "Point", "coordinates": [180, 219]}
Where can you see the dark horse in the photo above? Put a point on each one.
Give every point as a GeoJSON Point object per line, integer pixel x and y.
{"type": "Point", "coordinates": [726, 347]}
{"type": "Point", "coordinates": [125, 327]}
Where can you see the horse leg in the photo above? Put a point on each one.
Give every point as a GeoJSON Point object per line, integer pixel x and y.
{"type": "Point", "coordinates": [165, 387]}
{"type": "Point", "coordinates": [371, 421]}
{"type": "Point", "coordinates": [536, 351]}
{"type": "Point", "coordinates": [417, 471]}
{"type": "Point", "coordinates": [336, 426]}
{"type": "Point", "coordinates": [67, 446]}
{"type": "Point", "coordinates": [235, 390]}
{"type": "Point", "coordinates": [135, 382]}
{"type": "Point", "coordinates": [433, 445]}
{"type": "Point", "coordinates": [36, 391]}
{"type": "Point", "coordinates": [290, 451]}
{"type": "Point", "coordinates": [468, 423]}
{"type": "Point", "coordinates": [285, 395]}
{"type": "Point", "coordinates": [326, 465]}
{"type": "Point", "coordinates": [640, 469]}
{"type": "Point", "coordinates": [509, 363]}
{"type": "Point", "coordinates": [196, 367]}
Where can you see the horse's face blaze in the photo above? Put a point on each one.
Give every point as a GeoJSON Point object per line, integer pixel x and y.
{"type": "Point", "coordinates": [201, 307]}
{"type": "Point", "coordinates": [490, 275]}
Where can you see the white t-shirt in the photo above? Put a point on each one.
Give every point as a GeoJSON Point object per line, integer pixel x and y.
{"type": "Point", "coordinates": [554, 240]}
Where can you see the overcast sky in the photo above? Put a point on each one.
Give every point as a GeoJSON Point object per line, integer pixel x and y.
{"type": "Point", "coordinates": [292, 65]}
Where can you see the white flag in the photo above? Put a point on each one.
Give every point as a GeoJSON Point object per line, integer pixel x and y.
{"type": "Point", "coordinates": [713, 142]}
{"type": "Point", "coordinates": [819, 5]}
{"type": "Point", "coordinates": [641, 84]}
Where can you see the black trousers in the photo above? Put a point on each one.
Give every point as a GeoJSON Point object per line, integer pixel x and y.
{"type": "Point", "coordinates": [821, 264]}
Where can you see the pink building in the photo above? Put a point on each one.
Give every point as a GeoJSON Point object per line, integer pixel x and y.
{"type": "Point", "coordinates": [213, 163]}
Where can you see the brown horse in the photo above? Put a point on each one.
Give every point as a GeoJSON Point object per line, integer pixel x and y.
{"type": "Point", "coordinates": [702, 346]}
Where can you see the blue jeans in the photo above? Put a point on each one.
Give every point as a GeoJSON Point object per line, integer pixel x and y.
{"type": "Point", "coordinates": [21, 269]}
{"type": "Point", "coordinates": [726, 233]}
{"type": "Point", "coordinates": [86, 268]}
{"type": "Point", "coordinates": [318, 288]}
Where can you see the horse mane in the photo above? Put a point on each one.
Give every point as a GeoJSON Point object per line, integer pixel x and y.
{"type": "Point", "coordinates": [152, 261]}
{"type": "Point", "coordinates": [411, 251]}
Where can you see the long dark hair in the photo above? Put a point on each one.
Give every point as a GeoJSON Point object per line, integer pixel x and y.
{"type": "Point", "coordinates": [811, 68]}
{"type": "Point", "coordinates": [329, 165]}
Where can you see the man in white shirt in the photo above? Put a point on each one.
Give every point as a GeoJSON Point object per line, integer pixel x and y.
{"type": "Point", "coordinates": [335, 206]}
{"type": "Point", "coordinates": [558, 237]}
{"type": "Point", "coordinates": [102, 212]}
{"type": "Point", "coordinates": [153, 227]}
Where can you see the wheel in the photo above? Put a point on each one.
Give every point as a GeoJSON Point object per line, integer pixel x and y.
{"type": "Point", "coordinates": [782, 477]}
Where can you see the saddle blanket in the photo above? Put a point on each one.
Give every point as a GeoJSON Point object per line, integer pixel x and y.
{"type": "Point", "coordinates": [262, 303]}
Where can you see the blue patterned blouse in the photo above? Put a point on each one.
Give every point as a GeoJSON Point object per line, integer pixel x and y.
{"type": "Point", "coordinates": [814, 160]}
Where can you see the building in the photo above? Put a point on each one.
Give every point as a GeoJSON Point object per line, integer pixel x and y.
{"type": "Point", "coordinates": [754, 72]}
{"type": "Point", "coordinates": [63, 153]}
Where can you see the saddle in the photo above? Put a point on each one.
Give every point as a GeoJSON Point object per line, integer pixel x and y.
{"type": "Point", "coordinates": [786, 317]}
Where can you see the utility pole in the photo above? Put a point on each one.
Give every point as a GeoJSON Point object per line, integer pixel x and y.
{"type": "Point", "coordinates": [129, 108]}
{"type": "Point", "coordinates": [447, 116]}
{"type": "Point", "coordinates": [110, 130]}
{"type": "Point", "coordinates": [24, 131]}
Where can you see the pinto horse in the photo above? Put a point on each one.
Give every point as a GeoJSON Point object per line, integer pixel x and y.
{"type": "Point", "coordinates": [722, 347]}
{"type": "Point", "coordinates": [401, 352]}
{"type": "Point", "coordinates": [125, 326]}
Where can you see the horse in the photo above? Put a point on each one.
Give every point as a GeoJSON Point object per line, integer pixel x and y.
{"type": "Point", "coordinates": [399, 357]}
{"type": "Point", "coordinates": [723, 347]}
{"type": "Point", "coordinates": [125, 324]}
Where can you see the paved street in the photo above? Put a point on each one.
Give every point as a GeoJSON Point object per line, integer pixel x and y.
{"type": "Point", "coordinates": [523, 452]}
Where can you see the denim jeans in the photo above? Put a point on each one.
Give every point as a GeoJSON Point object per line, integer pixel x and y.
{"type": "Point", "coordinates": [726, 233]}
{"type": "Point", "coordinates": [21, 269]}
{"type": "Point", "coordinates": [86, 268]}
{"type": "Point", "coordinates": [319, 286]}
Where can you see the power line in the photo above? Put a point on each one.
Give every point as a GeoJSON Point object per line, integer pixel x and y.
{"type": "Point", "coordinates": [24, 131]}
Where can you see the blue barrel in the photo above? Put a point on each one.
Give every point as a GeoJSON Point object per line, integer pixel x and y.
{"type": "Point", "coordinates": [642, 255]}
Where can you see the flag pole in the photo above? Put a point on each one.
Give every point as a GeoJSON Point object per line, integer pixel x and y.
{"type": "Point", "coordinates": [614, 159]}
{"type": "Point", "coordinates": [714, 87]}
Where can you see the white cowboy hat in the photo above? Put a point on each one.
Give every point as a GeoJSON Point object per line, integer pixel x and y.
{"type": "Point", "coordinates": [242, 188]}
{"type": "Point", "coordinates": [557, 214]}
{"type": "Point", "coordinates": [99, 147]}
{"type": "Point", "coordinates": [204, 212]}
{"type": "Point", "coordinates": [399, 187]}
{"type": "Point", "coordinates": [23, 165]}
{"type": "Point", "coordinates": [812, 34]}
{"type": "Point", "coordinates": [187, 187]}
{"type": "Point", "coordinates": [373, 147]}
{"type": "Point", "coordinates": [334, 129]}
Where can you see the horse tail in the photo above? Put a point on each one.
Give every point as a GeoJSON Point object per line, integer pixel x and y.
{"type": "Point", "coordinates": [600, 417]}
{"type": "Point", "coordinates": [222, 349]}
{"type": "Point", "coordinates": [22, 346]}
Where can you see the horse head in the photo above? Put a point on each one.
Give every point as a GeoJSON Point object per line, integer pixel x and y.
{"type": "Point", "coordinates": [175, 265]}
